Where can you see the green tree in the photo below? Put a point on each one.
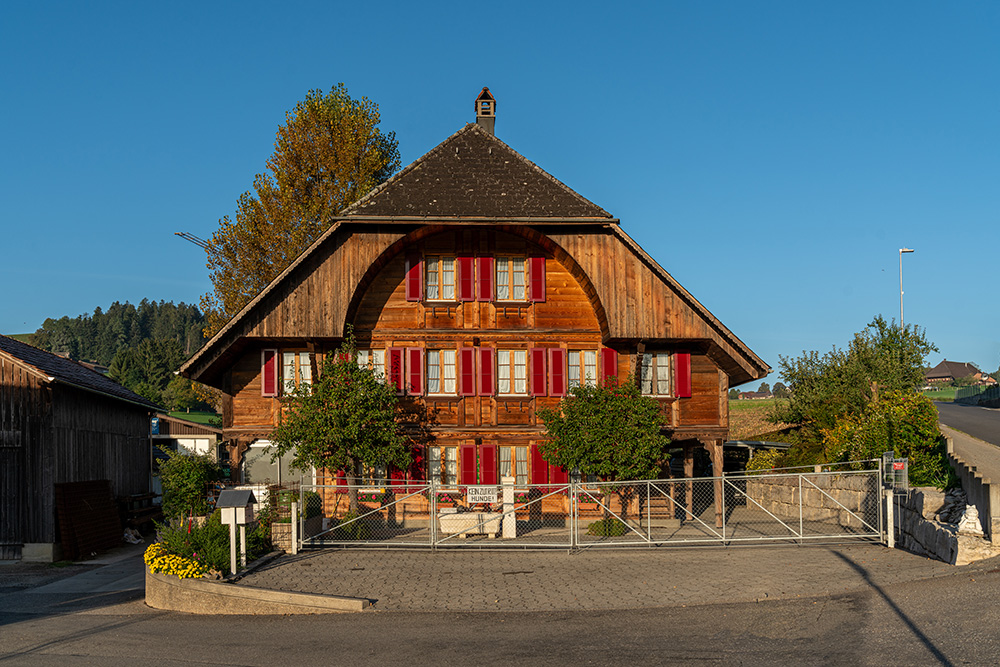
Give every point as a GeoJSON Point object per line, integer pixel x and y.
{"type": "Point", "coordinates": [734, 394]}
{"type": "Point", "coordinates": [345, 420]}
{"type": "Point", "coordinates": [780, 390]}
{"type": "Point", "coordinates": [612, 432]}
{"type": "Point", "coordinates": [764, 388]}
{"type": "Point", "coordinates": [180, 394]}
{"type": "Point", "coordinates": [880, 358]}
{"type": "Point", "coordinates": [329, 153]}
{"type": "Point", "coordinates": [185, 480]}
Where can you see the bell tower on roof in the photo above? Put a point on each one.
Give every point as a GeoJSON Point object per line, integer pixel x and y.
{"type": "Point", "coordinates": [486, 110]}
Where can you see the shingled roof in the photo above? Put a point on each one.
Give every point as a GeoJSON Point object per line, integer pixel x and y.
{"type": "Point", "coordinates": [473, 174]}
{"type": "Point", "coordinates": [66, 371]}
{"type": "Point", "coordinates": [951, 369]}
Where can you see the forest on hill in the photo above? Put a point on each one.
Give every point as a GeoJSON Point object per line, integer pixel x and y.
{"type": "Point", "coordinates": [142, 346]}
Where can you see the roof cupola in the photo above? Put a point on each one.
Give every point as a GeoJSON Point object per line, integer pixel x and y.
{"type": "Point", "coordinates": [486, 110]}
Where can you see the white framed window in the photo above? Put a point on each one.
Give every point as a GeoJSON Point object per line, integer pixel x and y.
{"type": "Point", "coordinates": [511, 278]}
{"type": "Point", "coordinates": [373, 477]}
{"type": "Point", "coordinates": [296, 369]}
{"type": "Point", "coordinates": [441, 371]}
{"type": "Point", "coordinates": [440, 278]}
{"type": "Point", "coordinates": [582, 368]}
{"type": "Point", "coordinates": [373, 359]}
{"type": "Point", "coordinates": [512, 371]}
{"type": "Point", "coordinates": [514, 463]}
{"type": "Point", "coordinates": [654, 375]}
{"type": "Point", "coordinates": [442, 465]}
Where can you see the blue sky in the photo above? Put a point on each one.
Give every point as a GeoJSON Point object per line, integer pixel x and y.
{"type": "Point", "coordinates": [772, 156]}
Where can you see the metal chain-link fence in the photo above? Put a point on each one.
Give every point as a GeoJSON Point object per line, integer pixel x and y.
{"type": "Point", "coordinates": [762, 508]}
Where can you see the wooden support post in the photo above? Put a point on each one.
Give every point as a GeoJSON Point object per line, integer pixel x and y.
{"type": "Point", "coordinates": [688, 474]}
{"type": "Point", "coordinates": [714, 448]}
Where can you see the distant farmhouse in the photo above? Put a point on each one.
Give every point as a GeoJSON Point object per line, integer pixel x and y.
{"type": "Point", "coordinates": [70, 441]}
{"type": "Point", "coordinates": [755, 395]}
{"type": "Point", "coordinates": [948, 372]}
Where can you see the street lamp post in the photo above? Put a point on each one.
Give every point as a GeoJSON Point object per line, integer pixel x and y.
{"type": "Point", "coordinates": [901, 251]}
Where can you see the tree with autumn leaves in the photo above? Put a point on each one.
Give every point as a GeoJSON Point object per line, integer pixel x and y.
{"type": "Point", "coordinates": [327, 155]}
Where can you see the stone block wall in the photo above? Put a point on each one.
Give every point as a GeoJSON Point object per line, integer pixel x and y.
{"type": "Point", "coordinates": [847, 499]}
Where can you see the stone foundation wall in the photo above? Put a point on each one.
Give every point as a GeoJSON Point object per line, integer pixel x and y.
{"type": "Point", "coordinates": [281, 533]}
{"type": "Point", "coordinates": [917, 527]}
{"type": "Point", "coordinates": [848, 499]}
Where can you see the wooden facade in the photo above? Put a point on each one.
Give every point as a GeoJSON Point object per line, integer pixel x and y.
{"type": "Point", "coordinates": [483, 288]}
{"type": "Point", "coordinates": [61, 422]}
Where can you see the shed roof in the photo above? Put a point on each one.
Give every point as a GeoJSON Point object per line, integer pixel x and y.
{"type": "Point", "coordinates": [54, 368]}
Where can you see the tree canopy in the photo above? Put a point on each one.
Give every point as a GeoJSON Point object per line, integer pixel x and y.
{"type": "Point", "coordinates": [345, 420]}
{"type": "Point", "coordinates": [329, 152]}
{"type": "Point", "coordinates": [879, 359]}
{"type": "Point", "coordinates": [612, 432]}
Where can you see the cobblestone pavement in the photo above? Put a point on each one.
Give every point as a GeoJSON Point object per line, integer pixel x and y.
{"type": "Point", "coordinates": [594, 580]}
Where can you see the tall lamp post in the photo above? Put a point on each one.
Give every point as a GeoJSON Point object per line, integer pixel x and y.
{"type": "Point", "coordinates": [901, 251]}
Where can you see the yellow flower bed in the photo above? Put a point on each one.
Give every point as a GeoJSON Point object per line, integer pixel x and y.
{"type": "Point", "coordinates": [160, 561]}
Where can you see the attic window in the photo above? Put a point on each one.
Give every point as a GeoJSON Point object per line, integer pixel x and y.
{"type": "Point", "coordinates": [485, 108]}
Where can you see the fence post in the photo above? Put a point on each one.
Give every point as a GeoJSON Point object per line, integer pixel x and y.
{"type": "Point", "coordinates": [509, 518]}
{"type": "Point", "coordinates": [801, 526]}
{"type": "Point", "coordinates": [722, 499]}
{"type": "Point", "coordinates": [574, 505]}
{"type": "Point", "coordinates": [432, 491]}
{"type": "Point", "coordinates": [295, 527]}
{"type": "Point", "coordinates": [890, 522]}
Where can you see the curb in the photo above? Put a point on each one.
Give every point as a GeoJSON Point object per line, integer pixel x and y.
{"type": "Point", "coordinates": [202, 596]}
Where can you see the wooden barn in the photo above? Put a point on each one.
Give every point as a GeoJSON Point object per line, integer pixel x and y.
{"type": "Point", "coordinates": [70, 441]}
{"type": "Point", "coordinates": [484, 289]}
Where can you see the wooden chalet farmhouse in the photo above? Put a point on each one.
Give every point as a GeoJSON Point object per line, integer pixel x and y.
{"type": "Point", "coordinates": [484, 289]}
{"type": "Point", "coordinates": [70, 441]}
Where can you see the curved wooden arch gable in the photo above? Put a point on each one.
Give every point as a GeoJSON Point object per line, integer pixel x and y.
{"type": "Point", "coordinates": [531, 235]}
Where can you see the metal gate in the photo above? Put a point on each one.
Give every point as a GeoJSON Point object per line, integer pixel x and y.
{"type": "Point", "coordinates": [772, 507]}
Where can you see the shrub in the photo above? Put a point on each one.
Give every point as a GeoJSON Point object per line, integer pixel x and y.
{"type": "Point", "coordinates": [765, 459]}
{"type": "Point", "coordinates": [903, 422]}
{"type": "Point", "coordinates": [208, 544]}
{"type": "Point", "coordinates": [607, 527]}
{"type": "Point", "coordinates": [184, 478]}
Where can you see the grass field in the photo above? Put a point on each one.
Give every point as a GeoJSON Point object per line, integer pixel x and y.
{"type": "Point", "coordinates": [748, 419]}
{"type": "Point", "coordinates": [944, 394]}
{"type": "Point", "coordinates": [24, 338]}
{"type": "Point", "coordinates": [207, 418]}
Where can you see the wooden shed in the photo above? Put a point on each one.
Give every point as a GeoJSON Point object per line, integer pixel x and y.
{"type": "Point", "coordinates": [483, 288]}
{"type": "Point", "coordinates": [62, 425]}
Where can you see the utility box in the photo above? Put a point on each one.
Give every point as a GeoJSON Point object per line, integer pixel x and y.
{"type": "Point", "coordinates": [236, 506]}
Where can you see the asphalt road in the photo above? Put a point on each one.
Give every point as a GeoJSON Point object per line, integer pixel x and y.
{"type": "Point", "coordinates": [982, 423]}
{"type": "Point", "coordinates": [947, 620]}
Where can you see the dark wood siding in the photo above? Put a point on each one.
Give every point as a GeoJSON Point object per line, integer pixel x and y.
{"type": "Point", "coordinates": [52, 433]}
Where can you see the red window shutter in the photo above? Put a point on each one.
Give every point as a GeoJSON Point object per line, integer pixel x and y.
{"type": "Point", "coordinates": [486, 384]}
{"type": "Point", "coordinates": [557, 371]}
{"type": "Point", "coordinates": [609, 366]}
{"type": "Point", "coordinates": [397, 477]}
{"type": "Point", "coordinates": [395, 370]}
{"type": "Point", "coordinates": [269, 373]}
{"type": "Point", "coordinates": [484, 291]}
{"type": "Point", "coordinates": [414, 278]}
{"type": "Point", "coordinates": [417, 472]}
{"type": "Point", "coordinates": [536, 278]}
{"type": "Point", "coordinates": [558, 475]}
{"type": "Point", "coordinates": [539, 467]}
{"type": "Point", "coordinates": [468, 455]}
{"type": "Point", "coordinates": [341, 482]}
{"type": "Point", "coordinates": [414, 371]}
{"type": "Point", "coordinates": [467, 371]}
{"type": "Point", "coordinates": [466, 279]}
{"type": "Point", "coordinates": [682, 374]}
{"type": "Point", "coordinates": [538, 377]}
{"type": "Point", "coordinates": [488, 464]}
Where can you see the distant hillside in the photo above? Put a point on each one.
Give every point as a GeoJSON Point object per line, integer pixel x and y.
{"type": "Point", "coordinates": [141, 345]}
{"type": "Point", "coordinates": [97, 337]}
{"type": "Point", "coordinates": [24, 338]}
